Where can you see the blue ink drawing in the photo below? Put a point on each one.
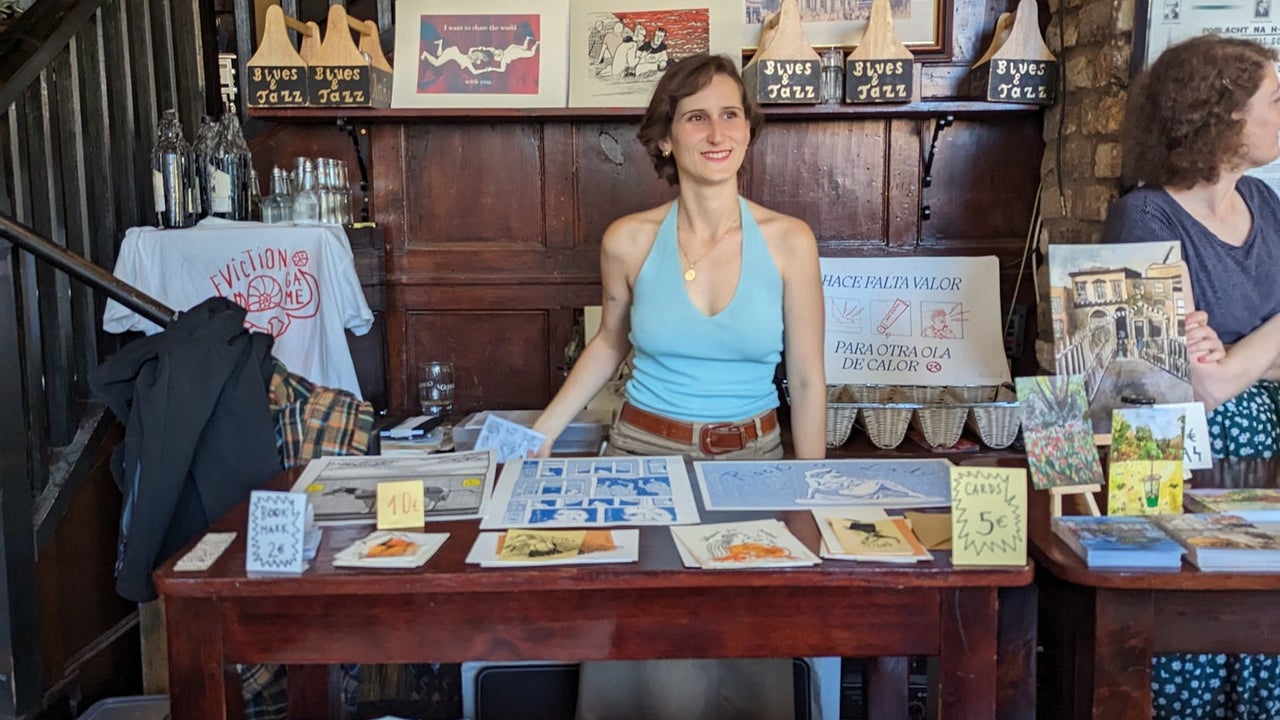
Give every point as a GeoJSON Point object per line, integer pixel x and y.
{"type": "Point", "coordinates": [788, 485]}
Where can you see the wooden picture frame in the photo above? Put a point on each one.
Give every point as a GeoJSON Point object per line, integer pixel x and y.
{"type": "Point", "coordinates": [480, 54]}
{"type": "Point", "coordinates": [612, 57]}
{"type": "Point", "coordinates": [921, 24]}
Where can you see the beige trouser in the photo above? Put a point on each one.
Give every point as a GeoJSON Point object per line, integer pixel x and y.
{"type": "Point", "coordinates": [686, 689]}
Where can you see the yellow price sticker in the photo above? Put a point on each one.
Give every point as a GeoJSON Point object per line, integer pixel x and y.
{"type": "Point", "coordinates": [315, 487]}
{"type": "Point", "coordinates": [400, 504]}
{"type": "Point", "coordinates": [988, 516]}
{"type": "Point", "coordinates": [472, 482]}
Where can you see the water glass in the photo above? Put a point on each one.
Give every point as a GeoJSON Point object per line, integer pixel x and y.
{"type": "Point", "coordinates": [435, 388]}
{"type": "Point", "coordinates": [832, 75]}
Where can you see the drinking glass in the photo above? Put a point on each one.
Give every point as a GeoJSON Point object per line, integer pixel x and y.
{"type": "Point", "coordinates": [435, 388]}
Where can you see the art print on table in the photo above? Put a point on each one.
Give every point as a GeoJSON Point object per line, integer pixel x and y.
{"type": "Point", "coordinates": [619, 48]}
{"type": "Point", "coordinates": [585, 492]}
{"type": "Point", "coordinates": [508, 440]}
{"type": "Point", "coordinates": [489, 53]}
{"type": "Point", "coordinates": [799, 484]}
{"type": "Point", "coordinates": [913, 321]}
{"type": "Point", "coordinates": [345, 489]}
{"type": "Point", "coordinates": [841, 24]}
{"type": "Point", "coordinates": [1057, 431]}
{"type": "Point", "coordinates": [1118, 320]}
{"type": "Point", "coordinates": [1144, 468]}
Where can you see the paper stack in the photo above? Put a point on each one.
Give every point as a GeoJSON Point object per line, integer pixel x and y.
{"type": "Point", "coordinates": [867, 534]}
{"type": "Point", "coordinates": [760, 543]}
{"type": "Point", "coordinates": [536, 548]}
{"type": "Point", "coordinates": [391, 549]}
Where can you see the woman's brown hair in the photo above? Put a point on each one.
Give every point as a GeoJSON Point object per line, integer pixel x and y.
{"type": "Point", "coordinates": [684, 78]}
{"type": "Point", "coordinates": [1180, 125]}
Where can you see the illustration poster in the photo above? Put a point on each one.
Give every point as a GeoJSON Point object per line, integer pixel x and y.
{"type": "Point", "coordinates": [1118, 314]}
{"type": "Point", "coordinates": [798, 484]}
{"type": "Point", "coordinates": [913, 321]}
{"type": "Point", "coordinates": [619, 50]}
{"type": "Point", "coordinates": [497, 53]}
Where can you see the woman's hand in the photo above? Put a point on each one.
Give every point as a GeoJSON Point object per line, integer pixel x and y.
{"type": "Point", "coordinates": [1203, 344]}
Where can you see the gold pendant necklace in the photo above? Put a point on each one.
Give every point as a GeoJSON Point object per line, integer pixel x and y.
{"type": "Point", "coordinates": [691, 274]}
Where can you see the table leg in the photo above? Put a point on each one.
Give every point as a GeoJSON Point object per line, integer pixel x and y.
{"type": "Point", "coordinates": [887, 687]}
{"type": "Point", "coordinates": [1016, 653]}
{"type": "Point", "coordinates": [198, 674]}
{"type": "Point", "coordinates": [968, 653]}
{"type": "Point", "coordinates": [311, 692]}
{"type": "Point", "coordinates": [1122, 650]}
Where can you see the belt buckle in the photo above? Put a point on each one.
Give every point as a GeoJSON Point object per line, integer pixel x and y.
{"type": "Point", "coordinates": [720, 438]}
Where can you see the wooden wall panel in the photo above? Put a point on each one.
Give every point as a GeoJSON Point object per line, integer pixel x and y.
{"type": "Point", "coordinates": [500, 359]}
{"type": "Point", "coordinates": [832, 174]}
{"type": "Point", "coordinates": [615, 177]}
{"type": "Point", "coordinates": [473, 182]}
{"type": "Point", "coordinates": [985, 178]}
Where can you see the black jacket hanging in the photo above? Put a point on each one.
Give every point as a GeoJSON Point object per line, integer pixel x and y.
{"type": "Point", "coordinates": [199, 433]}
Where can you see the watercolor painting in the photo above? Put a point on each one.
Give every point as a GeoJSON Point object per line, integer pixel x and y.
{"type": "Point", "coordinates": [1144, 470]}
{"type": "Point", "coordinates": [1057, 431]}
{"type": "Point", "coordinates": [1118, 314]}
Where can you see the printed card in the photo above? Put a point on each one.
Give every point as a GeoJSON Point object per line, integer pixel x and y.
{"type": "Point", "coordinates": [508, 440]}
{"type": "Point", "coordinates": [277, 532]}
{"type": "Point", "coordinates": [989, 516]}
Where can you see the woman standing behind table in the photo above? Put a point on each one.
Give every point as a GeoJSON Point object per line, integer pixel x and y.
{"type": "Point", "coordinates": [1205, 112]}
{"type": "Point", "coordinates": [709, 289]}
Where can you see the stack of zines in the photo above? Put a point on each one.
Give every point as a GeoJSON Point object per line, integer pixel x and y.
{"type": "Point", "coordinates": [391, 549]}
{"type": "Point", "coordinates": [1118, 542]}
{"type": "Point", "coordinates": [554, 546]}
{"type": "Point", "coordinates": [1223, 542]}
{"type": "Point", "coordinates": [1252, 504]}
{"type": "Point", "coordinates": [759, 543]}
{"type": "Point", "coordinates": [868, 535]}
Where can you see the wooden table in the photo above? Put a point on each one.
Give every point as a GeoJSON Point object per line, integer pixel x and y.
{"type": "Point", "coordinates": [1099, 629]}
{"type": "Point", "coordinates": [452, 612]}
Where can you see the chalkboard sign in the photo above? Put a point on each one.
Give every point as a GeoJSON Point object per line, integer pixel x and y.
{"type": "Point", "coordinates": [878, 81]}
{"type": "Point", "coordinates": [277, 86]}
{"type": "Point", "coordinates": [348, 86]}
{"type": "Point", "coordinates": [1022, 81]}
{"type": "Point", "coordinates": [796, 82]}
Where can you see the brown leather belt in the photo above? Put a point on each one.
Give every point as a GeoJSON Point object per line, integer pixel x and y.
{"type": "Point", "coordinates": [712, 438]}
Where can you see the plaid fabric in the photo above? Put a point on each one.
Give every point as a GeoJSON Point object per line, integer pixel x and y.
{"type": "Point", "coordinates": [314, 421]}
{"type": "Point", "coordinates": [264, 691]}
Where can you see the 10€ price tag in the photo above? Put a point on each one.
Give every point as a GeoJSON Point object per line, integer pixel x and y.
{"type": "Point", "coordinates": [400, 504]}
{"type": "Point", "coordinates": [988, 516]}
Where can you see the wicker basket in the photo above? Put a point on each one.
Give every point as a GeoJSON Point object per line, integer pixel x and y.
{"type": "Point", "coordinates": [870, 393]}
{"type": "Point", "coordinates": [840, 415]}
{"type": "Point", "coordinates": [997, 422]}
{"type": "Point", "coordinates": [971, 393]}
{"type": "Point", "coordinates": [886, 425]}
{"type": "Point", "coordinates": [923, 394]}
{"type": "Point", "coordinates": [941, 425]}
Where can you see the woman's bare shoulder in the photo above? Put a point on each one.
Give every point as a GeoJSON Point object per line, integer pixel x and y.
{"type": "Point", "coordinates": [634, 233]}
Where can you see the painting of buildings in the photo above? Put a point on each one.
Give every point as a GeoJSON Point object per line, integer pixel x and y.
{"type": "Point", "coordinates": [1118, 321]}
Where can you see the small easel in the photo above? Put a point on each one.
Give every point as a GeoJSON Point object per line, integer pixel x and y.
{"type": "Point", "coordinates": [784, 69]}
{"type": "Point", "coordinates": [1055, 508]}
{"type": "Point", "coordinates": [881, 69]}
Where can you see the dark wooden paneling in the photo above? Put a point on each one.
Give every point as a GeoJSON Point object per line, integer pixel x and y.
{"type": "Point", "coordinates": [500, 359]}
{"type": "Point", "coordinates": [136, 20]}
{"type": "Point", "coordinates": [615, 177]}
{"type": "Point", "coordinates": [833, 175]}
{"type": "Point", "coordinates": [122, 122]}
{"type": "Point", "coordinates": [985, 177]}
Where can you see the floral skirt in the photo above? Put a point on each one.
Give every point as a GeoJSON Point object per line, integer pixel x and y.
{"type": "Point", "coordinates": [1187, 686]}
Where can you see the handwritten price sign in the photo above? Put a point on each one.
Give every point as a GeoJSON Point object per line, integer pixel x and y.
{"type": "Point", "coordinates": [988, 516]}
{"type": "Point", "coordinates": [400, 504]}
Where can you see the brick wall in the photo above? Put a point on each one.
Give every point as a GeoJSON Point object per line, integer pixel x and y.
{"type": "Point", "coordinates": [1098, 39]}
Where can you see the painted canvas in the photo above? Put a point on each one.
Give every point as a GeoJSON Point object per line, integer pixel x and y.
{"type": "Point", "coordinates": [1118, 316]}
{"type": "Point", "coordinates": [1144, 470]}
{"type": "Point", "coordinates": [1057, 431]}
{"type": "Point", "coordinates": [494, 53]}
{"type": "Point", "coordinates": [619, 49]}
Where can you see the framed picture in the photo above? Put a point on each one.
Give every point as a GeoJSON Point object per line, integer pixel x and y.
{"type": "Point", "coordinates": [619, 48]}
{"type": "Point", "coordinates": [480, 53]}
{"type": "Point", "coordinates": [840, 23]}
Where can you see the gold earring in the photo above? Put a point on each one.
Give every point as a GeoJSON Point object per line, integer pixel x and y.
{"type": "Point", "coordinates": [666, 153]}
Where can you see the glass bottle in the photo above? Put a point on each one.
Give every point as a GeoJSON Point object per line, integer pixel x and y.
{"type": "Point", "coordinates": [306, 202]}
{"type": "Point", "coordinates": [278, 206]}
{"type": "Point", "coordinates": [253, 198]}
{"type": "Point", "coordinates": [232, 162]}
{"type": "Point", "coordinates": [202, 156]}
{"type": "Point", "coordinates": [171, 175]}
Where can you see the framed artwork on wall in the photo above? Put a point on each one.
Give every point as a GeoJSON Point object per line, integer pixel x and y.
{"type": "Point", "coordinates": [1161, 23]}
{"type": "Point", "coordinates": [480, 53]}
{"type": "Point", "coordinates": [920, 24]}
{"type": "Point", "coordinates": [619, 48]}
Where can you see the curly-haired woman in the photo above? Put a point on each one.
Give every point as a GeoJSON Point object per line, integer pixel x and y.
{"type": "Point", "coordinates": [1207, 111]}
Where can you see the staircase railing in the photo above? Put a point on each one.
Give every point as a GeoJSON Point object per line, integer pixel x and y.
{"type": "Point", "coordinates": [82, 83]}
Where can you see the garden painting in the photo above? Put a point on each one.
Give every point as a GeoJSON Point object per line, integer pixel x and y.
{"type": "Point", "coordinates": [1057, 431]}
{"type": "Point", "coordinates": [1145, 468]}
